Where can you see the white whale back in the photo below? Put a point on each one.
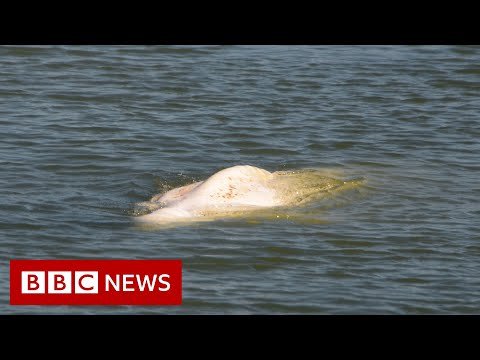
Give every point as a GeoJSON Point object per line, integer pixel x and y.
{"type": "Point", "coordinates": [231, 189]}
{"type": "Point", "coordinates": [236, 186]}
{"type": "Point", "coordinates": [245, 190]}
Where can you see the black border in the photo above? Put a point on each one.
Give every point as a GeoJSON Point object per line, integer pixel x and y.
{"type": "Point", "coordinates": [284, 336]}
{"type": "Point", "coordinates": [343, 23]}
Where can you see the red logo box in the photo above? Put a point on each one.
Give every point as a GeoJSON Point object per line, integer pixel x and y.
{"type": "Point", "coordinates": [95, 282]}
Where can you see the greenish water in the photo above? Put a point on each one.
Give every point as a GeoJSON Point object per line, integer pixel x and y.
{"type": "Point", "coordinates": [88, 132]}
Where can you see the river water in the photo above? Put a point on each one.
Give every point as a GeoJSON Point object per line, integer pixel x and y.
{"type": "Point", "coordinates": [88, 132]}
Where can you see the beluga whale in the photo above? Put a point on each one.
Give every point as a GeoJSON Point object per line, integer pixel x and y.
{"type": "Point", "coordinates": [237, 190]}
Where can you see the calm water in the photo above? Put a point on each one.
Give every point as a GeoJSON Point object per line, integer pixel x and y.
{"type": "Point", "coordinates": [86, 132]}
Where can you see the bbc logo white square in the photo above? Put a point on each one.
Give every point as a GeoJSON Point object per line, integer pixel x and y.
{"type": "Point", "coordinates": [33, 282]}
{"type": "Point", "coordinates": [59, 282]}
{"type": "Point", "coordinates": [86, 282]}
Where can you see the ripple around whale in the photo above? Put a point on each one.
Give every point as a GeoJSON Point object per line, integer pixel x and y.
{"type": "Point", "coordinates": [243, 191]}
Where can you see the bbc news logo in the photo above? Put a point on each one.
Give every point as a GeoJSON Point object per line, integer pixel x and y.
{"type": "Point", "coordinates": [95, 282]}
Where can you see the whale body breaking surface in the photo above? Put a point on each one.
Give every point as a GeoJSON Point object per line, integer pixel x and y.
{"type": "Point", "coordinates": [237, 189]}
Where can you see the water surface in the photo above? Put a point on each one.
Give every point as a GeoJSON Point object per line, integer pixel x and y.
{"type": "Point", "coordinates": [87, 132]}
